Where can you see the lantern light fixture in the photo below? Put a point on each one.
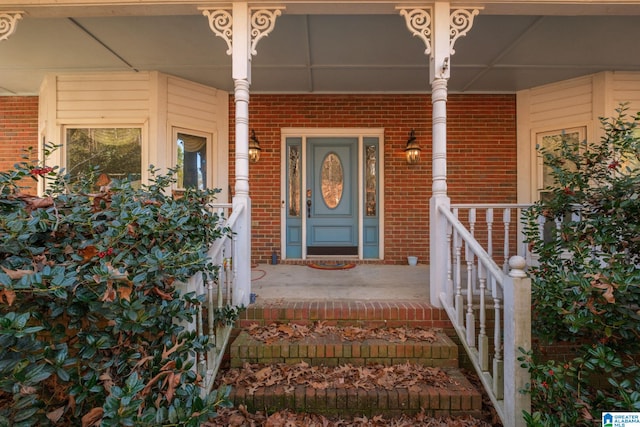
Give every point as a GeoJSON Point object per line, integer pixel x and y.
{"type": "Point", "coordinates": [413, 149]}
{"type": "Point", "coordinates": [254, 148]}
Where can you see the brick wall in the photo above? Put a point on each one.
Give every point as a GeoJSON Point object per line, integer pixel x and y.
{"type": "Point", "coordinates": [481, 154]}
{"type": "Point", "coordinates": [18, 129]}
{"type": "Point", "coordinates": [481, 157]}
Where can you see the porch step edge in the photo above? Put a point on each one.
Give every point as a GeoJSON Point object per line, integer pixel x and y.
{"type": "Point", "coordinates": [457, 399]}
{"type": "Point", "coordinates": [329, 350]}
{"type": "Point", "coordinates": [346, 312]}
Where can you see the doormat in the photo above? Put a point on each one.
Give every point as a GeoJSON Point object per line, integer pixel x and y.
{"type": "Point", "coordinates": [332, 265]}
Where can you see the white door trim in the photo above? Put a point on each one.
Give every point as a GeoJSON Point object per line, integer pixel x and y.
{"type": "Point", "coordinates": [360, 134]}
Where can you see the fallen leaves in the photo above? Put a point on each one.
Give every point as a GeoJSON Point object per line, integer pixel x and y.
{"type": "Point", "coordinates": [294, 332]}
{"type": "Point", "coordinates": [408, 376]}
{"type": "Point", "coordinates": [599, 281]}
{"type": "Point", "coordinates": [237, 417]}
{"type": "Point", "coordinates": [7, 295]}
{"type": "Point", "coordinates": [92, 418]}
{"type": "Point", "coordinates": [17, 274]}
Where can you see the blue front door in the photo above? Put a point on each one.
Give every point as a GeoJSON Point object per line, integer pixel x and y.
{"type": "Point", "coordinates": [331, 197]}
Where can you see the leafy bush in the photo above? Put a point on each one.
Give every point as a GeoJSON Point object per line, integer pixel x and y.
{"type": "Point", "coordinates": [586, 287]}
{"type": "Point", "coordinates": [90, 318]}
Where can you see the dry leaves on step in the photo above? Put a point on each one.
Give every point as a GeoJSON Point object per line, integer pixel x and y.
{"type": "Point", "coordinates": [407, 376]}
{"type": "Point", "coordinates": [286, 418]}
{"type": "Point", "coordinates": [294, 332]}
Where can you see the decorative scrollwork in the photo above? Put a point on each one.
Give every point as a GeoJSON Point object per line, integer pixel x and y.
{"type": "Point", "coordinates": [262, 23]}
{"type": "Point", "coordinates": [8, 23]}
{"type": "Point", "coordinates": [419, 24]}
{"type": "Point", "coordinates": [460, 24]}
{"type": "Point", "coordinates": [221, 23]}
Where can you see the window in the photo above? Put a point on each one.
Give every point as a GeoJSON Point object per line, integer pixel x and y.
{"type": "Point", "coordinates": [116, 152]}
{"type": "Point", "coordinates": [550, 141]}
{"type": "Point", "coordinates": [191, 158]}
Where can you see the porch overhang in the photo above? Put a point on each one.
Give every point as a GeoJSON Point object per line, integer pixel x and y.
{"type": "Point", "coordinates": [321, 46]}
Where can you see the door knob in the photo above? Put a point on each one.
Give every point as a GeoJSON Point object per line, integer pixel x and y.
{"type": "Point", "coordinates": [308, 208]}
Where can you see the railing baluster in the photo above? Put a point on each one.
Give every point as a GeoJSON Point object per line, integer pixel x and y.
{"type": "Point", "coordinates": [489, 216]}
{"type": "Point", "coordinates": [472, 230]}
{"type": "Point", "coordinates": [449, 264]}
{"type": "Point", "coordinates": [471, 323]}
{"type": "Point", "coordinates": [483, 340]}
{"type": "Point", "coordinates": [472, 221]}
{"type": "Point", "coordinates": [459, 303]}
{"type": "Point", "coordinates": [506, 219]}
{"type": "Point", "coordinates": [498, 364]}
{"type": "Point", "coordinates": [201, 357]}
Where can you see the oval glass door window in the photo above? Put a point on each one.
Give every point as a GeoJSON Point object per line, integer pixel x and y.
{"type": "Point", "coordinates": [332, 180]}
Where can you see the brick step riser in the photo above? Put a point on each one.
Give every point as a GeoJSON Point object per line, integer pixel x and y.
{"type": "Point", "coordinates": [348, 313]}
{"type": "Point", "coordinates": [442, 353]}
{"type": "Point", "coordinates": [357, 402]}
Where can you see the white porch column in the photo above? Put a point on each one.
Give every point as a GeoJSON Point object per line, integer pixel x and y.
{"type": "Point", "coordinates": [242, 28]}
{"type": "Point", "coordinates": [439, 27]}
{"type": "Point", "coordinates": [241, 73]}
{"type": "Point", "coordinates": [439, 76]}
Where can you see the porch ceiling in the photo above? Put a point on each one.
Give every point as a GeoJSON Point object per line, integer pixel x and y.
{"type": "Point", "coordinates": [327, 53]}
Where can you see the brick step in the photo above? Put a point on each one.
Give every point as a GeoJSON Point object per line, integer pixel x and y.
{"type": "Point", "coordinates": [358, 313]}
{"type": "Point", "coordinates": [331, 350]}
{"type": "Point", "coordinates": [458, 398]}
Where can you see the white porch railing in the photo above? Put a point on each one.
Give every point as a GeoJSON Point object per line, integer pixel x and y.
{"type": "Point", "coordinates": [218, 294]}
{"type": "Point", "coordinates": [474, 275]}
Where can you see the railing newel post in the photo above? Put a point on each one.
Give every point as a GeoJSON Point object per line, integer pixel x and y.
{"type": "Point", "coordinates": [517, 313]}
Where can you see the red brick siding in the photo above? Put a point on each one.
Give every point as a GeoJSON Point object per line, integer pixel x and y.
{"type": "Point", "coordinates": [481, 157]}
{"type": "Point", "coordinates": [18, 129]}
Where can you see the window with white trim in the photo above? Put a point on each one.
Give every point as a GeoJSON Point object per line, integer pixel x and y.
{"type": "Point", "coordinates": [113, 151]}
{"type": "Point", "coordinates": [192, 155]}
{"type": "Point", "coordinates": [551, 141]}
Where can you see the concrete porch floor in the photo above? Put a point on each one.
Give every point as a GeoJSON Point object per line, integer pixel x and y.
{"type": "Point", "coordinates": [364, 282]}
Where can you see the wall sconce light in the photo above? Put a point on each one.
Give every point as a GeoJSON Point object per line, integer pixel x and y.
{"type": "Point", "coordinates": [254, 148]}
{"type": "Point", "coordinates": [413, 149]}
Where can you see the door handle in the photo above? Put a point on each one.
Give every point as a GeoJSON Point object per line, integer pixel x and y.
{"type": "Point", "coordinates": [308, 208]}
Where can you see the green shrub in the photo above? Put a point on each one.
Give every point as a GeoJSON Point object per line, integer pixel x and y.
{"type": "Point", "coordinates": [586, 287]}
{"type": "Point", "coordinates": [90, 317]}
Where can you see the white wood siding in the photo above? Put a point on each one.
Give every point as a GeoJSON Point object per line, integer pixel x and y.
{"type": "Point", "coordinates": [625, 87]}
{"type": "Point", "coordinates": [191, 103]}
{"type": "Point", "coordinates": [151, 100]}
{"type": "Point", "coordinates": [101, 96]}
{"type": "Point", "coordinates": [568, 104]}
{"type": "Point", "coordinates": [561, 103]}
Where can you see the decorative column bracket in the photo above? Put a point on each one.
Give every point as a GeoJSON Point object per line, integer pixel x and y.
{"type": "Point", "coordinates": [460, 24]}
{"type": "Point", "coordinates": [221, 23]}
{"type": "Point", "coordinates": [419, 22]}
{"type": "Point", "coordinates": [8, 23]}
{"type": "Point", "coordinates": [262, 23]}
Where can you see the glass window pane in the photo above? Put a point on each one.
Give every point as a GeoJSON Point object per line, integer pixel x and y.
{"type": "Point", "coordinates": [371, 182]}
{"type": "Point", "coordinates": [294, 180]}
{"type": "Point", "coordinates": [192, 161]}
{"type": "Point", "coordinates": [116, 152]}
{"type": "Point", "coordinates": [332, 180]}
{"type": "Point", "coordinates": [552, 144]}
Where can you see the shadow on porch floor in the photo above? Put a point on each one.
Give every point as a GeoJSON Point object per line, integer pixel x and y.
{"type": "Point", "coordinates": [365, 282]}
